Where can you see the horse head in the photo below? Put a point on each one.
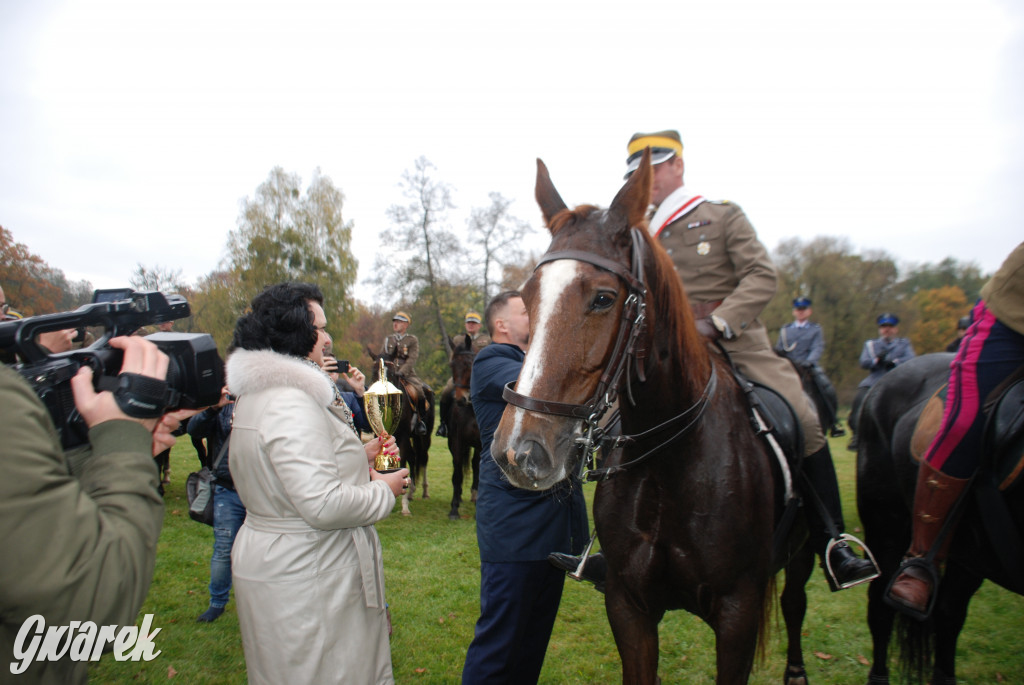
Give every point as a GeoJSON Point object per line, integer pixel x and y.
{"type": "Point", "coordinates": [583, 299]}
{"type": "Point", "coordinates": [461, 362]}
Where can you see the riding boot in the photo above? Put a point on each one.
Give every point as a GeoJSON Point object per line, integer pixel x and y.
{"type": "Point", "coordinates": [595, 571]}
{"type": "Point", "coordinates": [848, 569]}
{"type": "Point", "coordinates": [446, 410]}
{"type": "Point", "coordinates": [421, 411]}
{"type": "Point", "coordinates": [934, 496]}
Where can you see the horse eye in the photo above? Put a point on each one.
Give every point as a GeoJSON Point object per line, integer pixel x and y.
{"type": "Point", "coordinates": [603, 300]}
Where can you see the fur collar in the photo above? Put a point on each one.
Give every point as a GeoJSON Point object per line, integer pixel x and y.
{"type": "Point", "coordinates": [255, 370]}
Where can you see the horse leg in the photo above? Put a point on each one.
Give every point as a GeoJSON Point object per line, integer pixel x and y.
{"type": "Point", "coordinates": [794, 608]}
{"type": "Point", "coordinates": [736, 624]}
{"type": "Point", "coordinates": [957, 587]}
{"type": "Point", "coordinates": [636, 637]}
{"type": "Point", "coordinates": [454, 444]}
{"type": "Point", "coordinates": [880, 622]}
{"type": "Point", "coordinates": [476, 473]}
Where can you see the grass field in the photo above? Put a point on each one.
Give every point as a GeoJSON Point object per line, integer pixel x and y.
{"type": "Point", "coordinates": [432, 571]}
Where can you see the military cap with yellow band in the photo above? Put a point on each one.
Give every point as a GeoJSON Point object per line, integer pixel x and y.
{"type": "Point", "coordinates": [401, 316]}
{"type": "Point", "coordinates": [472, 317]}
{"type": "Point", "coordinates": [664, 146]}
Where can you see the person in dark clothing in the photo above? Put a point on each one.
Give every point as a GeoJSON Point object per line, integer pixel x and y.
{"type": "Point", "coordinates": [214, 424]}
{"type": "Point", "coordinates": [516, 529]}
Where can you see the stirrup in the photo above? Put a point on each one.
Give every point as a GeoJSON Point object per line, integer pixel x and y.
{"type": "Point", "coordinates": [847, 538]}
{"type": "Point", "coordinates": [578, 573]}
{"type": "Point", "coordinates": [933, 577]}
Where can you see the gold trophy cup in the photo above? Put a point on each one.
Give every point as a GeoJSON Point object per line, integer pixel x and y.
{"type": "Point", "coordinates": [383, 409]}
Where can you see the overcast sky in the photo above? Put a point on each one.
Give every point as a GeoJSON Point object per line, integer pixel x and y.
{"type": "Point", "coordinates": [131, 130]}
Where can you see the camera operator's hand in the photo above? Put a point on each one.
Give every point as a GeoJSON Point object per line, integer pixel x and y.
{"type": "Point", "coordinates": [141, 357]}
{"type": "Point", "coordinates": [163, 435]}
{"type": "Point", "coordinates": [356, 379]}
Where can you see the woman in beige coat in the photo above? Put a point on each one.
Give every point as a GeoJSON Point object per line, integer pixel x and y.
{"type": "Point", "coordinates": [306, 563]}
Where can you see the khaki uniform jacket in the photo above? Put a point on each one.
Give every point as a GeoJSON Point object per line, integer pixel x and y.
{"type": "Point", "coordinates": [405, 351]}
{"type": "Point", "coordinates": [75, 547]}
{"type": "Point", "coordinates": [718, 257]}
{"type": "Point", "coordinates": [481, 341]}
{"type": "Point", "coordinates": [1004, 292]}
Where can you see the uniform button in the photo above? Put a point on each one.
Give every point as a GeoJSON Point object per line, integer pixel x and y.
{"type": "Point", "coordinates": [667, 234]}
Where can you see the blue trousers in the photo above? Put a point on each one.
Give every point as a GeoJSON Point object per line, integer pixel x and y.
{"type": "Point", "coordinates": [228, 516]}
{"type": "Point", "coordinates": [518, 605]}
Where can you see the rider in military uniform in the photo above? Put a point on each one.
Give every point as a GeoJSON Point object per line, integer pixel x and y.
{"type": "Point", "coordinates": [880, 355]}
{"type": "Point", "coordinates": [480, 340]}
{"type": "Point", "coordinates": [729, 279]}
{"type": "Point", "coordinates": [801, 341]}
{"type": "Point", "coordinates": [404, 349]}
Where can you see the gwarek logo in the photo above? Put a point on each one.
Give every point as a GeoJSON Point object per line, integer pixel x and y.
{"type": "Point", "coordinates": [81, 641]}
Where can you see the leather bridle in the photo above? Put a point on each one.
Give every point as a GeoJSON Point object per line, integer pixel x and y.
{"type": "Point", "coordinates": [628, 350]}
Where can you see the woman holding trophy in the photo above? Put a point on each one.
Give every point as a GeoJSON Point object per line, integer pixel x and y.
{"type": "Point", "coordinates": [307, 564]}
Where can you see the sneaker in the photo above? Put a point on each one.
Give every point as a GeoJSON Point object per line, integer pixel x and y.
{"type": "Point", "coordinates": [210, 615]}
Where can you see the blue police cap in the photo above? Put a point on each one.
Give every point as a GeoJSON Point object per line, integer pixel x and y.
{"type": "Point", "coordinates": [888, 319]}
{"type": "Point", "coordinates": [801, 303]}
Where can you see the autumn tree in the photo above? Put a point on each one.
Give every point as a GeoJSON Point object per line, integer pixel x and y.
{"type": "Point", "coordinates": [937, 312]}
{"type": "Point", "coordinates": [499, 237]}
{"type": "Point", "coordinates": [30, 285]}
{"type": "Point", "coordinates": [422, 252]}
{"type": "Point", "coordinates": [283, 235]}
{"type": "Point", "coordinates": [848, 291]}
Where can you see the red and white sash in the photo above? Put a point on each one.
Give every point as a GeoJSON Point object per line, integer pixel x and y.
{"type": "Point", "coordinates": [675, 205]}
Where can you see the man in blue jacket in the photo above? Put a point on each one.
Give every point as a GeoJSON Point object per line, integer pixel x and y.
{"type": "Point", "coordinates": [516, 529]}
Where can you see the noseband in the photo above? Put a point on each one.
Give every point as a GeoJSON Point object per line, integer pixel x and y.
{"type": "Point", "coordinates": [627, 350]}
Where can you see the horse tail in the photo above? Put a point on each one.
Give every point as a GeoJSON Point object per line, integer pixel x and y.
{"type": "Point", "coordinates": [764, 621]}
{"type": "Point", "coordinates": [916, 647]}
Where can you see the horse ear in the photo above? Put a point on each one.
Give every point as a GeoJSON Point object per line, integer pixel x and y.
{"type": "Point", "coordinates": [547, 197]}
{"type": "Point", "coordinates": [634, 197]}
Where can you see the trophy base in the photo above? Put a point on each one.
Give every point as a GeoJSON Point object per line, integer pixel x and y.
{"type": "Point", "coordinates": [386, 470]}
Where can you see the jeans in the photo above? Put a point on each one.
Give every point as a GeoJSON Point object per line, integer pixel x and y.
{"type": "Point", "coordinates": [228, 515]}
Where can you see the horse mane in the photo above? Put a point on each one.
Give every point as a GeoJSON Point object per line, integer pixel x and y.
{"type": "Point", "coordinates": [669, 307]}
{"type": "Point", "coordinates": [568, 217]}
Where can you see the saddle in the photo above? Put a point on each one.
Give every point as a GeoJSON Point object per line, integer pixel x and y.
{"type": "Point", "coordinates": [1004, 433]}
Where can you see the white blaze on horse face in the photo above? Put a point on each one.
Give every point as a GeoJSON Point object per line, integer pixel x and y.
{"type": "Point", "coordinates": [555, 277]}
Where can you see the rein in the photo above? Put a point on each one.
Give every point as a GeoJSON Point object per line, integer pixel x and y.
{"type": "Point", "coordinates": [626, 351]}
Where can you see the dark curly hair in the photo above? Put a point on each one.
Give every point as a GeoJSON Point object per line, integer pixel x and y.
{"type": "Point", "coordinates": [279, 319]}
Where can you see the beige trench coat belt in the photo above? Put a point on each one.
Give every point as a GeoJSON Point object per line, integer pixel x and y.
{"type": "Point", "coordinates": [373, 580]}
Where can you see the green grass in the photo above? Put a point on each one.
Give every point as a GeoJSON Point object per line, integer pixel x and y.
{"type": "Point", "coordinates": [432, 570]}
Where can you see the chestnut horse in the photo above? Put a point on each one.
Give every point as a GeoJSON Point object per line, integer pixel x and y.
{"type": "Point", "coordinates": [688, 497]}
{"type": "Point", "coordinates": [463, 431]}
{"type": "Point", "coordinates": [886, 476]}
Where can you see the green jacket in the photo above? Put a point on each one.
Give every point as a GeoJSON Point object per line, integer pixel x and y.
{"type": "Point", "coordinates": [74, 547]}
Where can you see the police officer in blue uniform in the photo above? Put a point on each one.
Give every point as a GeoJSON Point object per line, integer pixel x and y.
{"type": "Point", "coordinates": [880, 355]}
{"type": "Point", "coordinates": [802, 342]}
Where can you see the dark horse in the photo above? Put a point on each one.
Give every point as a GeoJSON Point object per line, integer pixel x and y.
{"type": "Point", "coordinates": [413, 448]}
{"type": "Point", "coordinates": [886, 475]}
{"type": "Point", "coordinates": [463, 432]}
{"type": "Point", "coordinates": [688, 497]}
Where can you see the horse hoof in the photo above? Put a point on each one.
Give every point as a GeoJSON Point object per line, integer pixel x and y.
{"type": "Point", "coordinates": [454, 516]}
{"type": "Point", "coordinates": [795, 675]}
{"type": "Point", "coordinates": [406, 513]}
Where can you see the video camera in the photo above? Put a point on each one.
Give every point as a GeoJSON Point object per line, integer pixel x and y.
{"type": "Point", "coordinates": [195, 375]}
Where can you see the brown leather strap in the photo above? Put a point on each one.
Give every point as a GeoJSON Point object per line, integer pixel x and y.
{"type": "Point", "coordinates": [703, 309]}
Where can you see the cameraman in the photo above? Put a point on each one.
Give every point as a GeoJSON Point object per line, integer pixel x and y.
{"type": "Point", "coordinates": [77, 547]}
